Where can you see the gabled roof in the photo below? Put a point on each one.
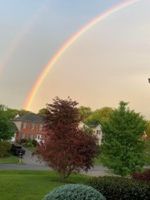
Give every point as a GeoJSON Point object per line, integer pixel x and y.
{"type": "Point", "coordinates": [30, 117]}
{"type": "Point", "coordinates": [93, 126]}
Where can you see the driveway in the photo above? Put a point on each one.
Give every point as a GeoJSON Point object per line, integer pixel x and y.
{"type": "Point", "coordinates": [31, 162]}
{"type": "Point", "coordinates": [95, 171]}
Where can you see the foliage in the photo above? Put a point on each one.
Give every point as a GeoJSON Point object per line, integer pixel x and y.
{"type": "Point", "coordinates": [6, 126]}
{"type": "Point", "coordinates": [74, 191]}
{"type": "Point", "coordinates": [11, 113]}
{"type": "Point", "coordinates": [66, 148]}
{"type": "Point", "coordinates": [147, 152]}
{"type": "Point", "coordinates": [28, 142]}
{"type": "Point", "coordinates": [115, 188]}
{"type": "Point", "coordinates": [23, 141]}
{"type": "Point", "coordinates": [99, 116]}
{"type": "Point", "coordinates": [42, 112]}
{"type": "Point", "coordinates": [34, 143]}
{"type": "Point", "coordinates": [23, 112]}
{"type": "Point", "coordinates": [142, 176]}
{"type": "Point", "coordinates": [84, 112]}
{"type": "Point", "coordinates": [123, 148]}
{"type": "Point", "coordinates": [148, 130]}
{"type": "Point", "coordinates": [4, 148]}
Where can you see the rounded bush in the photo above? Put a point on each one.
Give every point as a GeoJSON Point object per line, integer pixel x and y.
{"type": "Point", "coordinates": [74, 192]}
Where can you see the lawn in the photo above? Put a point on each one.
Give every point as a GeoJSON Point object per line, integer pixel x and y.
{"type": "Point", "coordinates": [31, 185]}
{"type": "Point", "coordinates": [9, 160]}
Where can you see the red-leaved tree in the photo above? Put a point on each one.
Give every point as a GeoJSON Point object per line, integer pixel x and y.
{"type": "Point", "coordinates": [66, 148]}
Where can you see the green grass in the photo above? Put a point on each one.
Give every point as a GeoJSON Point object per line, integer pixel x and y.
{"type": "Point", "coordinates": [98, 160]}
{"type": "Point", "coordinates": [9, 160]}
{"type": "Point", "coordinates": [31, 185]}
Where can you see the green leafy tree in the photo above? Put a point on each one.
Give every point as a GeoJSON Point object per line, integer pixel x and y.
{"type": "Point", "coordinates": [123, 148]}
{"type": "Point", "coordinates": [11, 113]}
{"type": "Point", "coordinates": [85, 112]}
{"type": "Point", "coordinates": [6, 126]}
{"type": "Point", "coordinates": [42, 112]}
{"type": "Point", "coordinates": [23, 112]}
{"type": "Point", "coordinates": [99, 116]}
{"type": "Point", "coordinates": [148, 129]}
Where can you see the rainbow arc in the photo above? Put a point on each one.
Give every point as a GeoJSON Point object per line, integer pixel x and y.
{"type": "Point", "coordinates": [32, 94]}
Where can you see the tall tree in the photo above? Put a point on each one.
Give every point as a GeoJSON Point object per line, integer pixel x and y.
{"type": "Point", "coordinates": [148, 130]}
{"type": "Point", "coordinates": [66, 148]}
{"type": "Point", "coordinates": [99, 116]}
{"type": "Point", "coordinates": [42, 112]}
{"type": "Point", "coordinates": [85, 112]}
{"type": "Point", "coordinates": [6, 126]}
{"type": "Point", "coordinates": [123, 148]}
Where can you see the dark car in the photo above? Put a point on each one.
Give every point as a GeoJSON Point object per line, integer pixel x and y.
{"type": "Point", "coordinates": [17, 150]}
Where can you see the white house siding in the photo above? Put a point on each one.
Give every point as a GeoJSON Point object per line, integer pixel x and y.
{"type": "Point", "coordinates": [98, 132]}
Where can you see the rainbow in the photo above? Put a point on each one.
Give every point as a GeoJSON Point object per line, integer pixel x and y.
{"type": "Point", "coordinates": [30, 98]}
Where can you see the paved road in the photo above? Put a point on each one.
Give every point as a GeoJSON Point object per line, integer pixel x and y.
{"type": "Point", "coordinates": [96, 171]}
{"type": "Point", "coordinates": [30, 159]}
{"type": "Point", "coordinates": [31, 162]}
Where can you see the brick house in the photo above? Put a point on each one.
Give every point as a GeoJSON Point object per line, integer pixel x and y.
{"type": "Point", "coordinates": [29, 126]}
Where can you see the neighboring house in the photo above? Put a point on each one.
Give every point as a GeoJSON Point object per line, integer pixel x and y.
{"type": "Point", "coordinates": [29, 126]}
{"type": "Point", "coordinates": [97, 130]}
{"type": "Point", "coordinates": [145, 137]}
{"type": "Point", "coordinates": [83, 126]}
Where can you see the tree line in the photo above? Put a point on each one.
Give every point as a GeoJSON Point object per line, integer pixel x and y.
{"type": "Point", "coordinates": [68, 149]}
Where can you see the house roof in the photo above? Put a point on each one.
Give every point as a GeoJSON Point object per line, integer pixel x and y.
{"type": "Point", "coordinates": [91, 126]}
{"type": "Point", "coordinates": [30, 117]}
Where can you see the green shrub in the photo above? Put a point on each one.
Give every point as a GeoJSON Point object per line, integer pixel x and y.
{"type": "Point", "coordinates": [23, 141]}
{"type": "Point", "coordinates": [116, 188]}
{"type": "Point", "coordinates": [4, 148]}
{"type": "Point", "coordinates": [34, 142]}
{"type": "Point", "coordinates": [74, 192]}
{"type": "Point", "coordinates": [28, 142]}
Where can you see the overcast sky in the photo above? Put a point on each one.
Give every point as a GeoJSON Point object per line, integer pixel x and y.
{"type": "Point", "coordinates": [109, 63]}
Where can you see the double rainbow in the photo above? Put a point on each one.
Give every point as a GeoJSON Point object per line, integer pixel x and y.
{"type": "Point", "coordinates": [67, 44]}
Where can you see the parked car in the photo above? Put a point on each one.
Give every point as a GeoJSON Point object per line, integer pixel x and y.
{"type": "Point", "coordinates": [17, 150]}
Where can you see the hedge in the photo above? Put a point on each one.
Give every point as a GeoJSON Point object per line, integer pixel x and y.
{"type": "Point", "coordinates": [117, 188]}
